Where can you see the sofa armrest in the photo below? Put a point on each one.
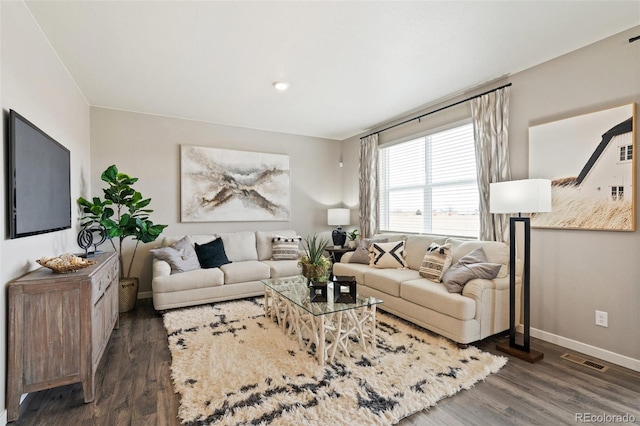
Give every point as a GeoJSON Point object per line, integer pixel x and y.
{"type": "Point", "coordinates": [492, 303]}
{"type": "Point", "coordinates": [476, 287]}
{"type": "Point", "coordinates": [161, 268]}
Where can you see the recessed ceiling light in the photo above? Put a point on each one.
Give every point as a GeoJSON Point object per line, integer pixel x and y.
{"type": "Point", "coordinates": [281, 85]}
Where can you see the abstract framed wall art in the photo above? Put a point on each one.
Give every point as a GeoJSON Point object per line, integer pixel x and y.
{"type": "Point", "coordinates": [591, 162]}
{"type": "Point", "coordinates": [224, 185]}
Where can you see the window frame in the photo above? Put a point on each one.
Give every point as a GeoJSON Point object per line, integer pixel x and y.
{"type": "Point", "coordinates": [428, 186]}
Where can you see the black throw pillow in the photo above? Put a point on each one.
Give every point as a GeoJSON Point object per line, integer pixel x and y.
{"type": "Point", "coordinates": [211, 254]}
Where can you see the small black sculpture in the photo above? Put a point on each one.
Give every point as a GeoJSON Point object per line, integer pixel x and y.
{"type": "Point", "coordinates": [86, 239]}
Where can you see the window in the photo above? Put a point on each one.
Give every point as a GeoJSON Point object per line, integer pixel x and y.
{"type": "Point", "coordinates": [626, 152]}
{"type": "Point", "coordinates": [617, 193]}
{"type": "Point", "coordinates": [429, 184]}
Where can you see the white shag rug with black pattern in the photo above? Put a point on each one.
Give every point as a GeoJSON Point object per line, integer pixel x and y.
{"type": "Point", "coordinates": [231, 365]}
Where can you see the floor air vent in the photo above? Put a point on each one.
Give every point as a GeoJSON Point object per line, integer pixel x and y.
{"type": "Point", "coordinates": [583, 361]}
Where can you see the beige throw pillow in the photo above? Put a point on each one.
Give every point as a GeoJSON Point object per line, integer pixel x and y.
{"type": "Point", "coordinates": [286, 248]}
{"type": "Point", "coordinates": [436, 261]}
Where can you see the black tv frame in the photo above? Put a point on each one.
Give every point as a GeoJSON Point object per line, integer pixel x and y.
{"type": "Point", "coordinates": [13, 191]}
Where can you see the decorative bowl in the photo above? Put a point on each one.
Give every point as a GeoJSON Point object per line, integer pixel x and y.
{"type": "Point", "coordinates": [65, 263]}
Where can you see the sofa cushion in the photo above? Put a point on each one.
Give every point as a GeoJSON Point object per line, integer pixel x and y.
{"type": "Point", "coordinates": [264, 242]}
{"type": "Point", "coordinates": [240, 272]}
{"type": "Point", "coordinates": [416, 246]}
{"type": "Point", "coordinates": [388, 255]}
{"type": "Point", "coordinates": [198, 278]}
{"type": "Point", "coordinates": [240, 246]}
{"type": "Point", "coordinates": [362, 254]}
{"type": "Point", "coordinates": [391, 237]}
{"type": "Point", "coordinates": [435, 296]}
{"type": "Point", "coordinates": [180, 255]}
{"type": "Point", "coordinates": [351, 270]}
{"type": "Point", "coordinates": [282, 268]}
{"type": "Point", "coordinates": [497, 252]}
{"type": "Point", "coordinates": [212, 254]}
{"type": "Point", "coordinates": [436, 261]}
{"type": "Point", "coordinates": [388, 280]}
{"type": "Point", "coordinates": [286, 248]}
{"type": "Point", "coordinates": [470, 266]}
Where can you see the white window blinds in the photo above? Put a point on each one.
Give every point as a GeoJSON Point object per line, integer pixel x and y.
{"type": "Point", "coordinates": [429, 184]}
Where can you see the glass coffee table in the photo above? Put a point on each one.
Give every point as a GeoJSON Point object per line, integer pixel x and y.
{"type": "Point", "coordinates": [329, 326]}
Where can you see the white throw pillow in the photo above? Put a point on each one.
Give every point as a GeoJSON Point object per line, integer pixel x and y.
{"type": "Point", "coordinates": [388, 255]}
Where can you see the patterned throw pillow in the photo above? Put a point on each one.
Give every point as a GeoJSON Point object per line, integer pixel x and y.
{"type": "Point", "coordinates": [286, 248]}
{"type": "Point", "coordinates": [180, 256]}
{"type": "Point", "coordinates": [473, 265]}
{"type": "Point", "coordinates": [388, 255]}
{"type": "Point", "coordinates": [436, 261]}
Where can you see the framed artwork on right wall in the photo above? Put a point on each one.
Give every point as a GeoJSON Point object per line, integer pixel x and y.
{"type": "Point", "coordinates": [591, 162]}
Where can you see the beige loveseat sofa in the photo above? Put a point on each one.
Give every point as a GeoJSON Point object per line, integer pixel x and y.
{"type": "Point", "coordinates": [250, 254]}
{"type": "Point", "coordinates": [481, 310]}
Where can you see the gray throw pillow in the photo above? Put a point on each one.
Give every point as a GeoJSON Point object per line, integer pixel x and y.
{"type": "Point", "coordinates": [361, 255]}
{"type": "Point", "coordinates": [473, 265]}
{"type": "Point", "coordinates": [181, 256]}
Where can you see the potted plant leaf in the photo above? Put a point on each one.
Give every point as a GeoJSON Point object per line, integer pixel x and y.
{"type": "Point", "coordinates": [315, 266]}
{"type": "Point", "coordinates": [123, 213]}
{"type": "Point", "coordinates": [352, 238]}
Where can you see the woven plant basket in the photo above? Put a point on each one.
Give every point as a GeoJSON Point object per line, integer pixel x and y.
{"type": "Point", "coordinates": [315, 273]}
{"type": "Point", "coordinates": [128, 294]}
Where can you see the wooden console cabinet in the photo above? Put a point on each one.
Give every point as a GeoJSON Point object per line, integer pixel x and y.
{"type": "Point", "coordinates": [59, 326]}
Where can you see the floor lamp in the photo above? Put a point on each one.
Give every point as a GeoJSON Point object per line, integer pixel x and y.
{"type": "Point", "coordinates": [520, 196]}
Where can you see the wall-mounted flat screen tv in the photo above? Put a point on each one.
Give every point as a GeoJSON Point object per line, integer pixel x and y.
{"type": "Point", "coordinates": [39, 180]}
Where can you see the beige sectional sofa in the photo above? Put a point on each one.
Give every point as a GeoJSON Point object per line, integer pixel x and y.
{"type": "Point", "coordinates": [250, 254]}
{"type": "Point", "coordinates": [481, 310]}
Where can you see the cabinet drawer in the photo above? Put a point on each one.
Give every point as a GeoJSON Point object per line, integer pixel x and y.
{"type": "Point", "coordinates": [102, 280]}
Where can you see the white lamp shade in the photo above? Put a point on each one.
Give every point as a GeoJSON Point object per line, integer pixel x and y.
{"type": "Point", "coordinates": [338, 217]}
{"type": "Point", "coordinates": [520, 196]}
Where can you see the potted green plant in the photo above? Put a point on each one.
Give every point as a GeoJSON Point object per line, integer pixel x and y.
{"type": "Point", "coordinates": [123, 213]}
{"type": "Point", "coordinates": [315, 266]}
{"type": "Point", "coordinates": [352, 238]}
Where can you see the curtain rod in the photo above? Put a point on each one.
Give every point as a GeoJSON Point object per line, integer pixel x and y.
{"type": "Point", "coordinates": [437, 110]}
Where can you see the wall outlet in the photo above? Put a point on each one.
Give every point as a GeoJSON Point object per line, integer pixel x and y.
{"type": "Point", "coordinates": [602, 319]}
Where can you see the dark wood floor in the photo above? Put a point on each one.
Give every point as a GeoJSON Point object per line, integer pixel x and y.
{"type": "Point", "coordinates": [134, 388]}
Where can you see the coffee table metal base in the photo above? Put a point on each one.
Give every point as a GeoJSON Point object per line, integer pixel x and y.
{"type": "Point", "coordinates": [329, 333]}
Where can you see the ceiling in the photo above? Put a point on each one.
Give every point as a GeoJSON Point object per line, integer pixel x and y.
{"type": "Point", "coordinates": [350, 65]}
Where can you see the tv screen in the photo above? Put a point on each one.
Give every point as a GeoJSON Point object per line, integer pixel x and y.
{"type": "Point", "coordinates": [39, 180]}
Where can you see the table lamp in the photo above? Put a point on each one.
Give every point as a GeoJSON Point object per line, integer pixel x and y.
{"type": "Point", "coordinates": [520, 196]}
{"type": "Point", "coordinates": [338, 217]}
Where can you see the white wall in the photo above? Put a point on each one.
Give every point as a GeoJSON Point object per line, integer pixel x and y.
{"type": "Point", "coordinates": [148, 147]}
{"type": "Point", "coordinates": [573, 272]}
{"type": "Point", "coordinates": [34, 82]}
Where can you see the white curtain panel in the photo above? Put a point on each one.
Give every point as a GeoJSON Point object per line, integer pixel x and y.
{"type": "Point", "coordinates": [369, 186]}
{"type": "Point", "coordinates": [491, 126]}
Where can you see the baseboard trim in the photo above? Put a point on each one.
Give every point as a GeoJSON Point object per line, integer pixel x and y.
{"type": "Point", "coordinates": [145, 294]}
{"type": "Point", "coordinates": [603, 354]}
